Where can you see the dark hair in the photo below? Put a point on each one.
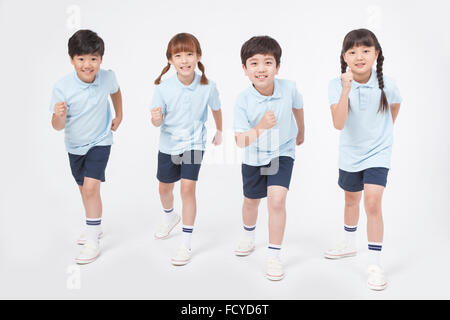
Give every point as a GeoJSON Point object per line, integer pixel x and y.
{"type": "Point", "coordinates": [183, 42]}
{"type": "Point", "coordinates": [86, 42]}
{"type": "Point", "coordinates": [260, 45]}
{"type": "Point", "coordinates": [364, 37]}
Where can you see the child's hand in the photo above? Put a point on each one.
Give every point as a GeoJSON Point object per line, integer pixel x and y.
{"type": "Point", "coordinates": [157, 116]}
{"type": "Point", "coordinates": [217, 140]}
{"type": "Point", "coordinates": [115, 123]}
{"type": "Point", "coordinates": [300, 137]}
{"type": "Point", "coordinates": [347, 79]}
{"type": "Point", "coordinates": [268, 121]}
{"type": "Point", "coordinates": [60, 109]}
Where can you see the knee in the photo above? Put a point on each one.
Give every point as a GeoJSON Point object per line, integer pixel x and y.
{"type": "Point", "coordinates": [277, 205]}
{"type": "Point", "coordinates": [251, 204]}
{"type": "Point", "coordinates": [165, 189]}
{"type": "Point", "coordinates": [352, 200]}
{"type": "Point", "coordinates": [372, 206]}
{"type": "Point", "coordinates": [188, 190]}
{"type": "Point", "coordinates": [89, 190]}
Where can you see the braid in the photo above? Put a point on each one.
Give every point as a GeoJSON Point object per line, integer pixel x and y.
{"type": "Point", "coordinates": [343, 65]}
{"type": "Point", "coordinates": [203, 80]}
{"type": "Point", "coordinates": [384, 106]}
{"type": "Point", "coordinates": [166, 68]}
{"type": "Point", "coordinates": [344, 70]}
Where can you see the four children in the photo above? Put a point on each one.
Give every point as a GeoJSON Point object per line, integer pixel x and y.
{"type": "Point", "coordinates": [268, 124]}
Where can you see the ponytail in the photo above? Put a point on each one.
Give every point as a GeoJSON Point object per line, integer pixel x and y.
{"type": "Point", "coordinates": [166, 68]}
{"type": "Point", "coordinates": [203, 80]}
{"type": "Point", "coordinates": [344, 70]}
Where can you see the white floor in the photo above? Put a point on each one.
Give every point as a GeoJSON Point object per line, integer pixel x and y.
{"type": "Point", "coordinates": [38, 250]}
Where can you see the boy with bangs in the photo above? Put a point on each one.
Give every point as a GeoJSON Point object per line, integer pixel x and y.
{"type": "Point", "coordinates": [268, 124]}
{"type": "Point", "coordinates": [80, 106]}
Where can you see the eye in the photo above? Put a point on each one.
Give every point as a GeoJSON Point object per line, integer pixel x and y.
{"type": "Point", "coordinates": [190, 54]}
{"type": "Point", "coordinates": [269, 62]}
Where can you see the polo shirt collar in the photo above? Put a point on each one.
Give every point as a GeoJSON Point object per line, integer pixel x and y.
{"type": "Point", "coordinates": [372, 83]}
{"type": "Point", "coordinates": [276, 92]}
{"type": "Point", "coordinates": [85, 84]}
{"type": "Point", "coordinates": [192, 86]}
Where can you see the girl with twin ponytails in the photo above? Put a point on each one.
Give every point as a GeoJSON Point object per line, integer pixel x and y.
{"type": "Point", "coordinates": [364, 106]}
{"type": "Point", "coordinates": [180, 107]}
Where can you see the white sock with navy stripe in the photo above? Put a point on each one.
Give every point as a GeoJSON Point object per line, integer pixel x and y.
{"type": "Point", "coordinates": [187, 235]}
{"type": "Point", "coordinates": [249, 231]}
{"type": "Point", "coordinates": [375, 253]}
{"type": "Point", "coordinates": [93, 228]}
{"type": "Point", "coordinates": [169, 214]}
{"type": "Point", "coordinates": [350, 235]}
{"type": "Point", "coordinates": [273, 250]}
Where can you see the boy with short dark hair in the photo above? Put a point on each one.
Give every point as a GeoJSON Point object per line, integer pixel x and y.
{"type": "Point", "coordinates": [80, 106]}
{"type": "Point", "coordinates": [268, 123]}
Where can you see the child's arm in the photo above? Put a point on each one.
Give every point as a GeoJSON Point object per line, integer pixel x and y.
{"type": "Point", "coordinates": [244, 139]}
{"type": "Point", "coordinates": [217, 114]}
{"type": "Point", "coordinates": [299, 118]}
{"type": "Point", "coordinates": [339, 111]}
{"type": "Point", "coordinates": [395, 108]}
{"type": "Point", "coordinates": [117, 103]}
{"type": "Point", "coordinates": [59, 116]}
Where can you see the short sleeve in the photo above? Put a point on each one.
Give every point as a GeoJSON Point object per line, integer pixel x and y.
{"type": "Point", "coordinates": [334, 91]}
{"type": "Point", "coordinates": [113, 85]}
{"type": "Point", "coordinates": [213, 99]}
{"type": "Point", "coordinates": [297, 99]}
{"type": "Point", "coordinates": [241, 123]}
{"type": "Point", "coordinates": [57, 96]}
{"type": "Point", "coordinates": [158, 100]}
{"type": "Point", "coordinates": [394, 93]}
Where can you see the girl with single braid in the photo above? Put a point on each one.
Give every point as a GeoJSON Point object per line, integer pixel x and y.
{"type": "Point", "coordinates": [364, 106]}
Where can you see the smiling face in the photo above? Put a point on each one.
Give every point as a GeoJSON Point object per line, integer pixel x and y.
{"type": "Point", "coordinates": [185, 63]}
{"type": "Point", "coordinates": [261, 69]}
{"type": "Point", "coordinates": [86, 66]}
{"type": "Point", "coordinates": [361, 59]}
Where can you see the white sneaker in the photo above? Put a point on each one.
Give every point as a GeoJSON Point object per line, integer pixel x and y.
{"type": "Point", "coordinates": [245, 246]}
{"type": "Point", "coordinates": [165, 227]}
{"type": "Point", "coordinates": [182, 256]}
{"type": "Point", "coordinates": [274, 269]}
{"type": "Point", "coordinates": [342, 250]}
{"type": "Point", "coordinates": [82, 239]}
{"type": "Point", "coordinates": [376, 279]}
{"type": "Point", "coordinates": [89, 252]}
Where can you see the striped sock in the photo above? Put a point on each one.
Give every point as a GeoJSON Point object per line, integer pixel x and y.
{"type": "Point", "coordinates": [93, 228]}
{"type": "Point", "coordinates": [187, 235]}
{"type": "Point", "coordinates": [169, 214]}
{"type": "Point", "coordinates": [274, 250]}
{"type": "Point", "coordinates": [375, 253]}
{"type": "Point", "coordinates": [350, 235]}
{"type": "Point", "coordinates": [249, 231]}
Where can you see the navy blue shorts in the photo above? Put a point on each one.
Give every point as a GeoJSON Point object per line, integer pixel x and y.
{"type": "Point", "coordinates": [256, 179]}
{"type": "Point", "coordinates": [91, 165]}
{"type": "Point", "coordinates": [355, 181]}
{"type": "Point", "coordinates": [172, 168]}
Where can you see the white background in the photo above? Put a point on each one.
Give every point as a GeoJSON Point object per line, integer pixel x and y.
{"type": "Point", "coordinates": [41, 209]}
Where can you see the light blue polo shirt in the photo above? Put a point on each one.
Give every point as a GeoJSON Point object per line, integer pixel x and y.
{"type": "Point", "coordinates": [89, 117]}
{"type": "Point", "coordinates": [278, 141]}
{"type": "Point", "coordinates": [185, 110]}
{"type": "Point", "coordinates": [367, 137]}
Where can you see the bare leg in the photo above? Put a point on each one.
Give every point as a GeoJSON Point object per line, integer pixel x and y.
{"type": "Point", "coordinates": [90, 193]}
{"type": "Point", "coordinates": [250, 211]}
{"type": "Point", "coordinates": [373, 195]}
{"type": "Point", "coordinates": [189, 202]}
{"type": "Point", "coordinates": [351, 211]}
{"type": "Point", "coordinates": [166, 194]}
{"type": "Point", "coordinates": [276, 202]}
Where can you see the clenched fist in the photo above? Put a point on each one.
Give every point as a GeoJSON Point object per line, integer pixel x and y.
{"type": "Point", "coordinates": [60, 109]}
{"type": "Point", "coordinates": [347, 79]}
{"type": "Point", "coordinates": [268, 121]}
{"type": "Point", "coordinates": [157, 116]}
